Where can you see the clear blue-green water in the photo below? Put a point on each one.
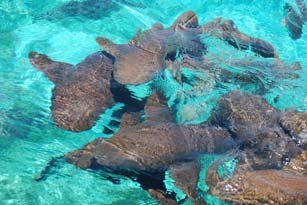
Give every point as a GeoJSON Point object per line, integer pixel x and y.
{"type": "Point", "coordinates": [28, 136]}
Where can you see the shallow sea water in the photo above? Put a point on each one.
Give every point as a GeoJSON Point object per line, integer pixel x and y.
{"type": "Point", "coordinates": [28, 136]}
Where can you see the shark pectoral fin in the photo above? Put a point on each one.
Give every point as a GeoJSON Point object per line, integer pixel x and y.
{"type": "Point", "coordinates": [186, 176]}
{"type": "Point", "coordinates": [186, 20]}
{"type": "Point", "coordinates": [156, 109]}
{"type": "Point", "coordinates": [107, 44]}
{"type": "Point", "coordinates": [54, 70]}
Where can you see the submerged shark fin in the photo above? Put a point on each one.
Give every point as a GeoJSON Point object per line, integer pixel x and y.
{"type": "Point", "coordinates": [186, 176]}
{"type": "Point", "coordinates": [156, 109]}
{"type": "Point", "coordinates": [54, 70]}
{"type": "Point", "coordinates": [186, 20]}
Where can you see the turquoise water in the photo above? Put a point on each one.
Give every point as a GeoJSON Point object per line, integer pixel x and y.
{"type": "Point", "coordinates": [28, 136]}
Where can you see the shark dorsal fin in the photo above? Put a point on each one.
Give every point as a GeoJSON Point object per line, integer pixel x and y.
{"type": "Point", "coordinates": [187, 20]}
{"type": "Point", "coordinates": [156, 109]}
{"type": "Point", "coordinates": [54, 70]}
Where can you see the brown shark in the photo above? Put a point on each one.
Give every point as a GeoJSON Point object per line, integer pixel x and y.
{"type": "Point", "coordinates": [82, 92]}
{"type": "Point", "coordinates": [147, 149]}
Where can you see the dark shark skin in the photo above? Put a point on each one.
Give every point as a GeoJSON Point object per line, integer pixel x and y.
{"type": "Point", "coordinates": [81, 93]}
{"type": "Point", "coordinates": [91, 9]}
{"type": "Point", "coordinates": [294, 21]}
{"type": "Point", "coordinates": [148, 149]}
